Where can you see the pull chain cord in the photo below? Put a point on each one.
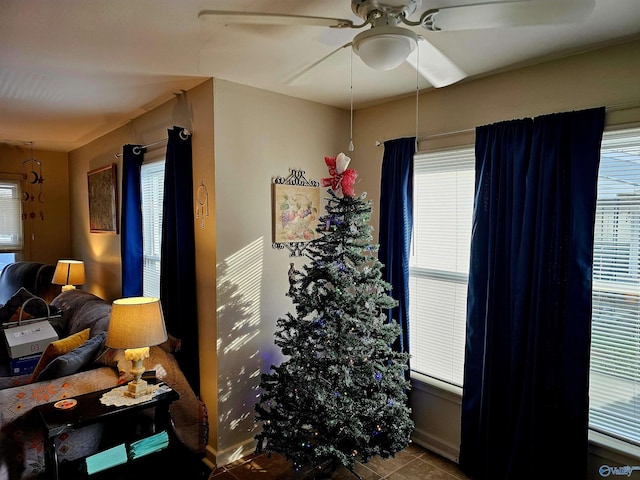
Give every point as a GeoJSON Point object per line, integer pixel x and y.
{"type": "Point", "coordinates": [351, 147]}
{"type": "Point", "coordinates": [417, 90]}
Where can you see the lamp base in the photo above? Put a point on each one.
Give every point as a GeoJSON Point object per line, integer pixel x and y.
{"type": "Point", "coordinates": [136, 388]}
{"type": "Point", "coordinates": [68, 287]}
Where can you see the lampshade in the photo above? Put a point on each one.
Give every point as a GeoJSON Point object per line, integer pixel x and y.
{"type": "Point", "coordinates": [385, 48]}
{"type": "Point", "coordinates": [69, 272]}
{"type": "Point", "coordinates": [136, 322]}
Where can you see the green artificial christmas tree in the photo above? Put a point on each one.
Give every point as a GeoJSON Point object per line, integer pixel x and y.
{"type": "Point", "coordinates": [340, 396]}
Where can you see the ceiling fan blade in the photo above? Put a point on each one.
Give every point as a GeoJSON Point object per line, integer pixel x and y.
{"type": "Point", "coordinates": [301, 74]}
{"type": "Point", "coordinates": [434, 65]}
{"type": "Point", "coordinates": [508, 14]}
{"type": "Point", "coordinates": [220, 16]}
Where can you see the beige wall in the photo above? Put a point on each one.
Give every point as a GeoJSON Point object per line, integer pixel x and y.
{"type": "Point", "coordinates": [608, 77]}
{"type": "Point", "coordinates": [242, 139]}
{"type": "Point", "coordinates": [254, 136]}
{"type": "Point", "coordinates": [258, 136]}
{"type": "Point", "coordinates": [44, 240]}
{"type": "Point", "coordinates": [101, 251]}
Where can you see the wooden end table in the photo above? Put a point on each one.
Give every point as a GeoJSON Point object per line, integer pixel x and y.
{"type": "Point", "coordinates": [89, 410]}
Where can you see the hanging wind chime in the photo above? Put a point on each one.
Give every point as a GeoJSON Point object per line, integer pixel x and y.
{"type": "Point", "coordinates": [32, 196]}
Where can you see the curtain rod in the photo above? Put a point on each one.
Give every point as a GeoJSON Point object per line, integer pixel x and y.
{"type": "Point", "coordinates": [434, 135]}
{"type": "Point", "coordinates": [611, 108]}
{"type": "Point", "coordinates": [184, 134]}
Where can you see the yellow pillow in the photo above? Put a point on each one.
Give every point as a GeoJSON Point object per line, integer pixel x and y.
{"type": "Point", "coordinates": [60, 347]}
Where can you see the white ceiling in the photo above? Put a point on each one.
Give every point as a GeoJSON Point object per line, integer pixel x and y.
{"type": "Point", "coordinates": [73, 70]}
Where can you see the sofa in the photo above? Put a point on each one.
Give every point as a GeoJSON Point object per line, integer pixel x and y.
{"type": "Point", "coordinates": [33, 276]}
{"type": "Point", "coordinates": [89, 366]}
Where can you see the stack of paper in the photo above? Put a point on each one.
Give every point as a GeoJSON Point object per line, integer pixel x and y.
{"type": "Point", "coordinates": [149, 445]}
{"type": "Point", "coordinates": [107, 459]}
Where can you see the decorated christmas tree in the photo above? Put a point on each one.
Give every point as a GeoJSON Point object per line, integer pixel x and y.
{"type": "Point", "coordinates": [341, 393]}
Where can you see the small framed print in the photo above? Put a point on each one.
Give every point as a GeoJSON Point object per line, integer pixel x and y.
{"type": "Point", "coordinates": [296, 206]}
{"type": "Point", "coordinates": [295, 214]}
{"type": "Point", "coordinates": [103, 200]}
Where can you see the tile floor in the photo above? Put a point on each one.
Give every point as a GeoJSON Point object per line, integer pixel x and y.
{"type": "Point", "coordinates": [413, 463]}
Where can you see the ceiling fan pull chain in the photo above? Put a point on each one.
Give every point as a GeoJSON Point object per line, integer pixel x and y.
{"type": "Point", "coordinates": [351, 146]}
{"type": "Point", "coordinates": [417, 92]}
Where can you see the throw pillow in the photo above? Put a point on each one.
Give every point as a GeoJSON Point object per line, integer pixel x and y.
{"type": "Point", "coordinates": [74, 360]}
{"type": "Point", "coordinates": [59, 347]}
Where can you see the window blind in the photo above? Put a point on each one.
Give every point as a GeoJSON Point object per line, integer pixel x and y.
{"type": "Point", "coordinates": [439, 268]}
{"type": "Point", "coordinates": [11, 238]}
{"type": "Point", "coordinates": [615, 340]}
{"type": "Point", "coordinates": [152, 188]}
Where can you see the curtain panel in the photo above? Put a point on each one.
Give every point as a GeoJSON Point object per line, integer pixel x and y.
{"type": "Point", "coordinates": [526, 374]}
{"type": "Point", "coordinates": [396, 224]}
{"type": "Point", "coordinates": [177, 264]}
{"type": "Point", "coordinates": [131, 221]}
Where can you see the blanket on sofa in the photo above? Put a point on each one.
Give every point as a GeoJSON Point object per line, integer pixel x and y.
{"type": "Point", "coordinates": [21, 438]}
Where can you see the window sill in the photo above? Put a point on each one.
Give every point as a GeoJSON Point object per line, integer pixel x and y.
{"type": "Point", "coordinates": [443, 389]}
{"type": "Point", "coordinates": [599, 444]}
{"type": "Point", "coordinates": [606, 446]}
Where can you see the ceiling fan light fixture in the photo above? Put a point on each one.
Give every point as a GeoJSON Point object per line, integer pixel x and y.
{"type": "Point", "coordinates": [385, 48]}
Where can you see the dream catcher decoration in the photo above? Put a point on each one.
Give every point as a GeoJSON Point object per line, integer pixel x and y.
{"type": "Point", "coordinates": [32, 196]}
{"type": "Point", "coordinates": [202, 203]}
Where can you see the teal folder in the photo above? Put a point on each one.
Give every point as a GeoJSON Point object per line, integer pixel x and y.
{"type": "Point", "coordinates": [106, 459]}
{"type": "Point", "coordinates": [149, 445]}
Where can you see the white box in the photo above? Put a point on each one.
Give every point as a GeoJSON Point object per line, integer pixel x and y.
{"type": "Point", "coordinates": [26, 340]}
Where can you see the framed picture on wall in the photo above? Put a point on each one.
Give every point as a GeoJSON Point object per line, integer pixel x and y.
{"type": "Point", "coordinates": [295, 214]}
{"type": "Point", "coordinates": [103, 200]}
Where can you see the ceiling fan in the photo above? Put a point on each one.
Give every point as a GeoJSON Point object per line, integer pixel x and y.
{"type": "Point", "coordinates": [392, 37]}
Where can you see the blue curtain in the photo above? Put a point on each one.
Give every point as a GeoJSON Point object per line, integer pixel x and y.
{"type": "Point", "coordinates": [131, 222]}
{"type": "Point", "coordinates": [177, 264]}
{"type": "Point", "coordinates": [396, 224]}
{"type": "Point", "coordinates": [526, 373]}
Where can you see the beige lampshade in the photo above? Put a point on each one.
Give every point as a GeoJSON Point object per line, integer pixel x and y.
{"type": "Point", "coordinates": [69, 272]}
{"type": "Point", "coordinates": [136, 322]}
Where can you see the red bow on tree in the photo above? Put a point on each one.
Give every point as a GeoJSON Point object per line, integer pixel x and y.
{"type": "Point", "coordinates": [341, 176]}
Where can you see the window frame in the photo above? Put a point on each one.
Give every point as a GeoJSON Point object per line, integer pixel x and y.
{"type": "Point", "coordinates": [460, 163]}
{"type": "Point", "coordinates": [152, 228]}
{"type": "Point", "coordinates": [13, 206]}
{"type": "Point", "coordinates": [605, 440]}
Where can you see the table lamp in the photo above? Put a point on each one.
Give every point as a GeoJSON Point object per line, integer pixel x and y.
{"type": "Point", "coordinates": [136, 323]}
{"type": "Point", "coordinates": [69, 273]}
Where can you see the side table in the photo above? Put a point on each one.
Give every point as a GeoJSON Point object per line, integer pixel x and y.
{"type": "Point", "coordinates": [89, 410]}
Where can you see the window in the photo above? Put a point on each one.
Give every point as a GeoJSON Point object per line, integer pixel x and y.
{"type": "Point", "coordinates": [439, 268]}
{"type": "Point", "coordinates": [10, 221]}
{"type": "Point", "coordinates": [444, 186]}
{"type": "Point", "coordinates": [615, 339]}
{"type": "Point", "coordinates": [152, 187]}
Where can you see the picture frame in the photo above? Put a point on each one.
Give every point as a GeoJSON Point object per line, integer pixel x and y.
{"type": "Point", "coordinates": [296, 208]}
{"type": "Point", "coordinates": [103, 200]}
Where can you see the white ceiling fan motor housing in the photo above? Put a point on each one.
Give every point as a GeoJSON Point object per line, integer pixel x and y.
{"type": "Point", "coordinates": [391, 8]}
{"type": "Point", "coordinates": [385, 45]}
{"type": "Point", "coordinates": [385, 48]}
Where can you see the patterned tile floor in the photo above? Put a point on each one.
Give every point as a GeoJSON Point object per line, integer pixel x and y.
{"type": "Point", "coordinates": [413, 463]}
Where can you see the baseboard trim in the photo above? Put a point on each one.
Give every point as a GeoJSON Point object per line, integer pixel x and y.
{"type": "Point", "coordinates": [436, 445]}
{"type": "Point", "coordinates": [230, 454]}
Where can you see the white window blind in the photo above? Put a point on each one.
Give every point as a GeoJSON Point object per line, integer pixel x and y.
{"type": "Point", "coordinates": [10, 216]}
{"type": "Point", "coordinates": [152, 187]}
{"type": "Point", "coordinates": [615, 341]}
{"type": "Point", "coordinates": [439, 269]}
